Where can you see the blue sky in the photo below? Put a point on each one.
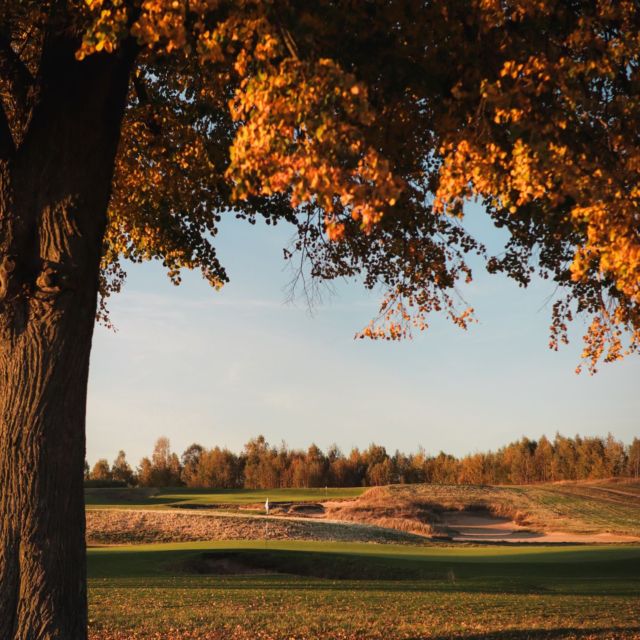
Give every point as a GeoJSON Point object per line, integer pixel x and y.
{"type": "Point", "coordinates": [221, 367]}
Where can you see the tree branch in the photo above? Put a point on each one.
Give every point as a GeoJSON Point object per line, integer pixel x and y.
{"type": "Point", "coordinates": [15, 79]}
{"type": "Point", "coordinates": [143, 99]}
{"type": "Point", "coordinates": [7, 146]}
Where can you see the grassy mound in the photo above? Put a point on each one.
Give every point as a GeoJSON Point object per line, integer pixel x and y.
{"type": "Point", "coordinates": [112, 526]}
{"type": "Point", "coordinates": [581, 508]}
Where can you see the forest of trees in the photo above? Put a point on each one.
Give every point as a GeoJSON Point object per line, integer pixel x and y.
{"type": "Point", "coordinates": [263, 466]}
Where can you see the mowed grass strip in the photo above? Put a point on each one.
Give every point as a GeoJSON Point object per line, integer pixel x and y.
{"type": "Point", "coordinates": [137, 498]}
{"type": "Point", "coordinates": [401, 592]}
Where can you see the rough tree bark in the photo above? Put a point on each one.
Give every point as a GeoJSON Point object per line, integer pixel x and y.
{"type": "Point", "coordinates": [54, 191]}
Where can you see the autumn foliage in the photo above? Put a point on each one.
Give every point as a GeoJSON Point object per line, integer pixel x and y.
{"type": "Point", "coordinates": [262, 466]}
{"type": "Point", "coordinates": [371, 125]}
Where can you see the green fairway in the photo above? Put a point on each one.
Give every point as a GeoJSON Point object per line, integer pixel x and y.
{"type": "Point", "coordinates": [184, 497]}
{"type": "Point", "coordinates": [385, 591]}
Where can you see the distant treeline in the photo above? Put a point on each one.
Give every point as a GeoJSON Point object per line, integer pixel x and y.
{"type": "Point", "coordinates": [262, 466]}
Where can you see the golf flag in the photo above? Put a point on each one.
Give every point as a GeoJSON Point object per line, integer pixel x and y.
{"type": "Point", "coordinates": [266, 506]}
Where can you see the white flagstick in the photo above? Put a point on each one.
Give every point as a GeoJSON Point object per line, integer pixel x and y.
{"type": "Point", "coordinates": [266, 506]}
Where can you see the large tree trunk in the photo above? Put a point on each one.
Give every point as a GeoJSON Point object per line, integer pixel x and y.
{"type": "Point", "coordinates": [54, 191]}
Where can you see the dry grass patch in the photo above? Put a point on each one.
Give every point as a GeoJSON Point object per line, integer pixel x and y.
{"type": "Point", "coordinates": [111, 526]}
{"type": "Point", "coordinates": [383, 507]}
{"type": "Point", "coordinates": [593, 508]}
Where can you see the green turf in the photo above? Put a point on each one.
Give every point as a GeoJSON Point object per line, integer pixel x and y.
{"type": "Point", "coordinates": [599, 507]}
{"type": "Point", "coordinates": [183, 497]}
{"type": "Point", "coordinates": [391, 592]}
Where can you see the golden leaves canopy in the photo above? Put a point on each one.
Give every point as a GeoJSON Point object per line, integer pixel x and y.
{"type": "Point", "coordinates": [368, 125]}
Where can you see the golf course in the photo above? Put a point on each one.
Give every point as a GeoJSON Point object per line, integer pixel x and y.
{"type": "Point", "coordinates": [364, 564]}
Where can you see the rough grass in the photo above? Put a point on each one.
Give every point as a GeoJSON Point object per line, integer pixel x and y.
{"type": "Point", "coordinates": [113, 526]}
{"type": "Point", "coordinates": [384, 507]}
{"type": "Point", "coordinates": [584, 508]}
{"type": "Point", "coordinates": [392, 513]}
{"type": "Point", "coordinates": [428, 592]}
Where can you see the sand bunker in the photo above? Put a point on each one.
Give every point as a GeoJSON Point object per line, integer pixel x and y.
{"type": "Point", "coordinates": [473, 526]}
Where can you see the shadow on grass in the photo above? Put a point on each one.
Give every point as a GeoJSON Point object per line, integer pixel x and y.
{"type": "Point", "coordinates": [277, 569]}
